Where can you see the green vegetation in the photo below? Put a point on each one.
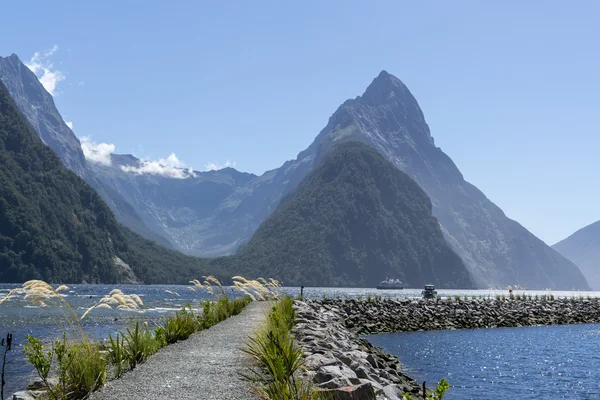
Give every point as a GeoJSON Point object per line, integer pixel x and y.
{"type": "Point", "coordinates": [179, 326]}
{"type": "Point", "coordinates": [353, 221]}
{"type": "Point", "coordinates": [139, 344]}
{"type": "Point", "coordinates": [55, 227]}
{"type": "Point", "coordinates": [278, 358]}
{"type": "Point", "coordinates": [81, 365]}
{"type": "Point", "coordinates": [440, 390]}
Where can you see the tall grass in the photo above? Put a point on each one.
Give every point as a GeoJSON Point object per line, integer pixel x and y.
{"type": "Point", "coordinates": [79, 363]}
{"type": "Point", "coordinates": [179, 326]}
{"type": "Point", "coordinates": [80, 366]}
{"type": "Point", "coordinates": [139, 344]}
{"type": "Point", "coordinates": [278, 358]}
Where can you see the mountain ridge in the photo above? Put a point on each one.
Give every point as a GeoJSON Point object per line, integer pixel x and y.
{"type": "Point", "coordinates": [497, 250]}
{"type": "Point", "coordinates": [352, 221]}
{"type": "Point", "coordinates": [583, 248]}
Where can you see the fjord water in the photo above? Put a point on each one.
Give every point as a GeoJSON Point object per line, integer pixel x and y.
{"type": "Point", "coordinates": [539, 362]}
{"type": "Point", "coordinates": [21, 318]}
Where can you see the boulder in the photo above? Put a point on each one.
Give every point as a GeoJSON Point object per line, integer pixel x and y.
{"type": "Point", "coordinates": [37, 383]}
{"type": "Point", "coordinates": [364, 391]}
{"type": "Point", "coordinates": [22, 396]}
{"type": "Point", "coordinates": [329, 372]}
{"type": "Point", "coordinates": [315, 361]}
{"type": "Point", "coordinates": [391, 392]}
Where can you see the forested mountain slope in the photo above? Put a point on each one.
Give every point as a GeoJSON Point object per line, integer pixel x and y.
{"type": "Point", "coordinates": [355, 220]}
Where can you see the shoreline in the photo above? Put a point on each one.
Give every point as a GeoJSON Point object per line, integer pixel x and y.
{"type": "Point", "coordinates": [339, 360]}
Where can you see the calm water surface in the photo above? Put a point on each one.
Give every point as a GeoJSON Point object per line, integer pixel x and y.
{"type": "Point", "coordinates": [545, 362]}
{"type": "Point", "coordinates": [21, 318]}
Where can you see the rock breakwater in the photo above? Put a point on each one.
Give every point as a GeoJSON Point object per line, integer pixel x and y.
{"type": "Point", "coordinates": [398, 315]}
{"type": "Point", "coordinates": [338, 360]}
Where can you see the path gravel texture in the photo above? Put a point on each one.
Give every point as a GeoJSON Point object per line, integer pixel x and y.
{"type": "Point", "coordinates": [206, 366]}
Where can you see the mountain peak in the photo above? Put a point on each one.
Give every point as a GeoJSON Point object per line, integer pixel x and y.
{"type": "Point", "coordinates": [386, 88]}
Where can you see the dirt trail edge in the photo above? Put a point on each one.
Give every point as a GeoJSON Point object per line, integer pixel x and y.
{"type": "Point", "coordinates": [206, 366]}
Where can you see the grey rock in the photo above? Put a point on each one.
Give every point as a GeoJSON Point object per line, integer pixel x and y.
{"type": "Point", "coordinates": [335, 383]}
{"type": "Point", "coordinates": [37, 383]}
{"type": "Point", "coordinates": [329, 372]}
{"type": "Point", "coordinates": [392, 392]}
{"type": "Point", "coordinates": [362, 391]}
{"type": "Point", "coordinates": [315, 361]}
{"type": "Point", "coordinates": [22, 396]}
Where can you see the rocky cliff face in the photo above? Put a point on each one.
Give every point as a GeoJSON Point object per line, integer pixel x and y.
{"type": "Point", "coordinates": [583, 248]}
{"type": "Point", "coordinates": [38, 107]}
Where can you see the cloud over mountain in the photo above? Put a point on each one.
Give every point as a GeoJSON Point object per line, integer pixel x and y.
{"type": "Point", "coordinates": [170, 167]}
{"type": "Point", "coordinates": [212, 166]}
{"type": "Point", "coordinates": [98, 153]}
{"type": "Point", "coordinates": [41, 65]}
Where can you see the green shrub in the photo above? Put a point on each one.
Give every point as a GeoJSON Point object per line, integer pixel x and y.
{"type": "Point", "coordinates": [139, 344]}
{"type": "Point", "coordinates": [278, 358]}
{"type": "Point", "coordinates": [82, 369]}
{"type": "Point", "coordinates": [178, 326]}
{"type": "Point", "coordinates": [116, 354]}
{"type": "Point", "coordinates": [80, 366]}
{"type": "Point", "coordinates": [440, 390]}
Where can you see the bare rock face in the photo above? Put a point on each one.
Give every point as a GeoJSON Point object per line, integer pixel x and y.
{"type": "Point", "coordinates": [125, 273]}
{"type": "Point", "coordinates": [38, 107]}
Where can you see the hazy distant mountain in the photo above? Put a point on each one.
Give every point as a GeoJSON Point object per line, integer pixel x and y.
{"type": "Point", "coordinates": [583, 248]}
{"type": "Point", "coordinates": [53, 226]}
{"type": "Point", "coordinates": [353, 221]}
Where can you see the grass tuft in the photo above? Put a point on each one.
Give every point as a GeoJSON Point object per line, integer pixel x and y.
{"type": "Point", "coordinates": [278, 358]}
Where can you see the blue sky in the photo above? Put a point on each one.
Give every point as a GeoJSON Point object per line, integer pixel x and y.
{"type": "Point", "coordinates": [509, 88]}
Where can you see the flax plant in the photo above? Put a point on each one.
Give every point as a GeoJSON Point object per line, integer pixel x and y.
{"type": "Point", "coordinates": [279, 358]}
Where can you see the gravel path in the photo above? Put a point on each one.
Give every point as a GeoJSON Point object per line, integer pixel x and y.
{"type": "Point", "coordinates": [206, 366]}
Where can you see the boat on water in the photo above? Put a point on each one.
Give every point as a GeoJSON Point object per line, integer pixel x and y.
{"type": "Point", "coordinates": [429, 292]}
{"type": "Point", "coordinates": [391, 284]}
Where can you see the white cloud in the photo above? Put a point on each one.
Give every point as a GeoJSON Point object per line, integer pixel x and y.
{"type": "Point", "coordinates": [40, 65]}
{"type": "Point", "coordinates": [69, 124]}
{"type": "Point", "coordinates": [211, 166]}
{"type": "Point", "coordinates": [98, 153]}
{"type": "Point", "coordinates": [170, 167]}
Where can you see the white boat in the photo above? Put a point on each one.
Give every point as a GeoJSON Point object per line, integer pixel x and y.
{"type": "Point", "coordinates": [391, 284]}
